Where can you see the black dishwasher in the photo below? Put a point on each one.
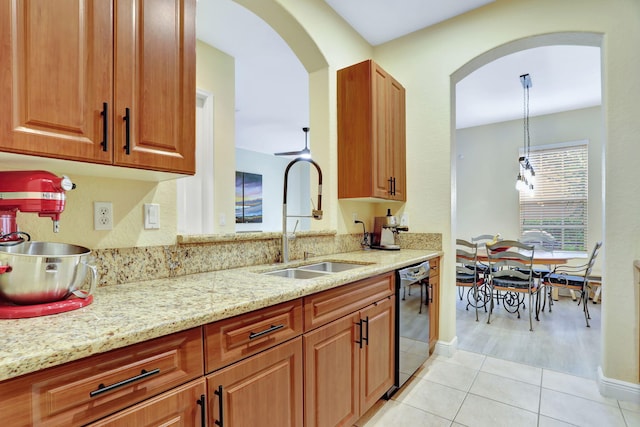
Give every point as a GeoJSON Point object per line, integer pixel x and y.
{"type": "Point", "coordinates": [412, 322]}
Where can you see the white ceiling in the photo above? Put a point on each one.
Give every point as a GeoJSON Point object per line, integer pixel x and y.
{"type": "Point", "coordinates": [272, 102]}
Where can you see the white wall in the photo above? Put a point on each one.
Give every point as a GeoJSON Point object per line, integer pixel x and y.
{"type": "Point", "coordinates": [486, 159]}
{"type": "Point", "coordinates": [272, 170]}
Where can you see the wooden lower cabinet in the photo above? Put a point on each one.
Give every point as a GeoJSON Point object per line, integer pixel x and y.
{"type": "Point", "coordinates": [377, 355]}
{"type": "Point", "coordinates": [262, 390]}
{"type": "Point", "coordinates": [88, 389]}
{"type": "Point", "coordinates": [182, 406]}
{"type": "Point", "coordinates": [349, 365]}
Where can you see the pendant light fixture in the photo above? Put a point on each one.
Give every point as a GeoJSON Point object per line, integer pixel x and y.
{"type": "Point", "coordinates": [526, 173]}
{"type": "Point", "coordinates": [305, 152]}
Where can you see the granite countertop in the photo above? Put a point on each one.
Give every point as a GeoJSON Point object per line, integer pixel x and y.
{"type": "Point", "coordinates": [126, 314]}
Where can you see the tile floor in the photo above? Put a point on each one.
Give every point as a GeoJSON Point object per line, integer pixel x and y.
{"type": "Point", "coordinates": [471, 389]}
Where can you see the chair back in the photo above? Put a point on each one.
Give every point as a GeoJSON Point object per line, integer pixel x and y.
{"type": "Point", "coordinates": [482, 239]}
{"type": "Point", "coordinates": [466, 261]}
{"type": "Point", "coordinates": [511, 264]}
{"type": "Point", "coordinates": [592, 260]}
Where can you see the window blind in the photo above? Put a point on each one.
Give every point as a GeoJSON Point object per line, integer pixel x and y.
{"type": "Point", "coordinates": [558, 204]}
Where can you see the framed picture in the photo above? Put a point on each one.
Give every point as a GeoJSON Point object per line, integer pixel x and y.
{"type": "Point", "coordinates": [248, 198]}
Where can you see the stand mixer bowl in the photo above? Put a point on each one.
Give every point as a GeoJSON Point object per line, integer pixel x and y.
{"type": "Point", "coordinates": [42, 272]}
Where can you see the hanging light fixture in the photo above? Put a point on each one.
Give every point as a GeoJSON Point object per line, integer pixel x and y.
{"type": "Point", "coordinates": [526, 173]}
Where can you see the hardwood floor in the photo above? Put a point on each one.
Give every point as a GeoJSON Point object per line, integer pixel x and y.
{"type": "Point", "coordinates": [560, 340]}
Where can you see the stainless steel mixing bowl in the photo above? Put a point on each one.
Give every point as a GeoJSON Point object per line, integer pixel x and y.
{"type": "Point", "coordinates": [41, 272]}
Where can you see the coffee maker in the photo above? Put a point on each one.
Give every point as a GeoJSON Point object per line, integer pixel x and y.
{"type": "Point", "coordinates": [385, 230]}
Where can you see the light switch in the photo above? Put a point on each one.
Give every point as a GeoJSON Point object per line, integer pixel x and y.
{"type": "Point", "coordinates": [151, 216]}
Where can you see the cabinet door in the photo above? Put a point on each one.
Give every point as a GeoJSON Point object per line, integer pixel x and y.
{"type": "Point", "coordinates": [181, 406]}
{"type": "Point", "coordinates": [332, 371]}
{"type": "Point", "coordinates": [155, 83]}
{"type": "Point", "coordinates": [377, 361]}
{"type": "Point", "coordinates": [263, 390]}
{"type": "Point", "coordinates": [55, 75]}
{"type": "Point", "coordinates": [382, 154]}
{"type": "Point", "coordinates": [397, 139]}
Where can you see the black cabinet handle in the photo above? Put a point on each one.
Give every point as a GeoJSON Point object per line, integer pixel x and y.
{"type": "Point", "coordinates": [273, 328]}
{"type": "Point", "coordinates": [367, 330]}
{"type": "Point", "coordinates": [219, 421]}
{"type": "Point", "coordinates": [390, 185]}
{"type": "Point", "coordinates": [203, 410]}
{"type": "Point", "coordinates": [394, 186]}
{"type": "Point", "coordinates": [359, 341]}
{"type": "Point", "coordinates": [127, 131]}
{"type": "Point", "coordinates": [430, 294]}
{"type": "Point", "coordinates": [105, 127]}
{"type": "Point", "coordinates": [105, 388]}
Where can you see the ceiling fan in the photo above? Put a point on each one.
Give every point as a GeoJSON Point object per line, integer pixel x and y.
{"type": "Point", "coordinates": [305, 152]}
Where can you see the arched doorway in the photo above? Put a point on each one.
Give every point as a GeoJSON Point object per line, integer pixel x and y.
{"type": "Point", "coordinates": [511, 350]}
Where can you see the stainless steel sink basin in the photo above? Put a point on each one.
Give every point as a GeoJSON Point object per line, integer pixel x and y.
{"type": "Point", "coordinates": [330, 266]}
{"type": "Point", "coordinates": [296, 273]}
{"type": "Point", "coordinates": [313, 270]}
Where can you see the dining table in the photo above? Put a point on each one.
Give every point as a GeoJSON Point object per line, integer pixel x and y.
{"type": "Point", "coordinates": [550, 259]}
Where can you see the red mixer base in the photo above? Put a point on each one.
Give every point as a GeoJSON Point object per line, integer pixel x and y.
{"type": "Point", "coordinates": [9, 310]}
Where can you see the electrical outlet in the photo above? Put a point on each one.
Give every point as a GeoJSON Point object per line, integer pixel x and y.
{"type": "Point", "coordinates": [355, 216]}
{"type": "Point", "coordinates": [102, 216]}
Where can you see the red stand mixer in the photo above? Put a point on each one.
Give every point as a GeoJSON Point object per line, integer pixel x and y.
{"type": "Point", "coordinates": [38, 278]}
{"type": "Point", "coordinates": [30, 191]}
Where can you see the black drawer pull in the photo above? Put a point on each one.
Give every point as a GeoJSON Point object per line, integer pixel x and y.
{"type": "Point", "coordinates": [219, 393]}
{"type": "Point", "coordinates": [273, 328]}
{"type": "Point", "coordinates": [127, 131]}
{"type": "Point", "coordinates": [105, 127]}
{"type": "Point", "coordinates": [367, 330]}
{"type": "Point", "coordinates": [105, 388]}
{"type": "Point", "coordinates": [203, 410]}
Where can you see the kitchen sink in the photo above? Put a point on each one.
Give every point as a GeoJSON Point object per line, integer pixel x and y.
{"type": "Point", "coordinates": [313, 270]}
{"type": "Point", "coordinates": [331, 266]}
{"type": "Point", "coordinates": [296, 273]}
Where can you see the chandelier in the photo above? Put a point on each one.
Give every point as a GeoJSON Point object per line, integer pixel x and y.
{"type": "Point", "coordinates": [526, 173]}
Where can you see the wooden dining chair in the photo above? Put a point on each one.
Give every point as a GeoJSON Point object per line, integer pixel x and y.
{"type": "Point", "coordinates": [468, 276]}
{"type": "Point", "coordinates": [576, 278]}
{"type": "Point", "coordinates": [511, 274]}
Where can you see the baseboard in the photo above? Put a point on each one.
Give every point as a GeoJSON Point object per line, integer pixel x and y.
{"type": "Point", "coordinates": [446, 348]}
{"type": "Point", "coordinates": [616, 389]}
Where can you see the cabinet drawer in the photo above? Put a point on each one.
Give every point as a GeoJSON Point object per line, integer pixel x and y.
{"type": "Point", "coordinates": [181, 406]}
{"type": "Point", "coordinates": [232, 339]}
{"type": "Point", "coordinates": [323, 307]}
{"type": "Point", "coordinates": [88, 389]}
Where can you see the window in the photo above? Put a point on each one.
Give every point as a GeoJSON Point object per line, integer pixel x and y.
{"type": "Point", "coordinates": [558, 204]}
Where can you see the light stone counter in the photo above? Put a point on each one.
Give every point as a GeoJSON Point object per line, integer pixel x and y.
{"type": "Point", "coordinates": [126, 314]}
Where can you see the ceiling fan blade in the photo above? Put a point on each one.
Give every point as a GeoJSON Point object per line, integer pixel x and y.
{"type": "Point", "coordinates": [305, 150]}
{"type": "Point", "coordinates": [290, 153]}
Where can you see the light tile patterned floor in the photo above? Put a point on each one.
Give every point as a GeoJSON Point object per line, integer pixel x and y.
{"type": "Point", "coordinates": [474, 390]}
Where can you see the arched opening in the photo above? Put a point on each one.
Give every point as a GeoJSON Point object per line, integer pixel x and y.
{"type": "Point", "coordinates": [489, 169]}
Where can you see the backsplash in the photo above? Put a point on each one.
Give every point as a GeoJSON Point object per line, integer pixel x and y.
{"type": "Point", "coordinates": [199, 254]}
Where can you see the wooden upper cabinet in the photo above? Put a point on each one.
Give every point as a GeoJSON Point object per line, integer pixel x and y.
{"type": "Point", "coordinates": [71, 68]}
{"type": "Point", "coordinates": [371, 133]}
{"type": "Point", "coordinates": [55, 75]}
{"type": "Point", "coordinates": [155, 61]}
